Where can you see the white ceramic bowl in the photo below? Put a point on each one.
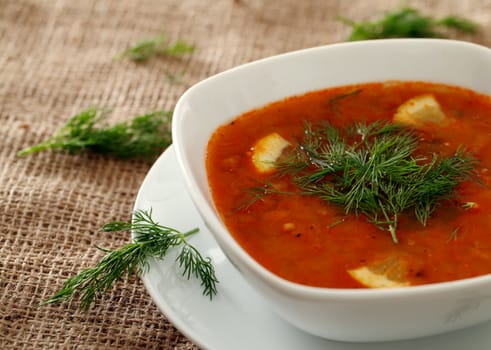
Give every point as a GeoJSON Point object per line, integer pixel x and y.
{"type": "Point", "coordinates": [340, 314]}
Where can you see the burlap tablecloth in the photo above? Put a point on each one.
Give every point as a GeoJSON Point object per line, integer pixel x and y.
{"type": "Point", "coordinates": [56, 58]}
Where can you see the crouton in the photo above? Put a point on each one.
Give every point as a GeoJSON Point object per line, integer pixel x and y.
{"type": "Point", "coordinates": [267, 150]}
{"type": "Point", "coordinates": [420, 112]}
{"type": "Point", "coordinates": [388, 273]}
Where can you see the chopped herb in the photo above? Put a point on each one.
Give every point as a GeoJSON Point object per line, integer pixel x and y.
{"type": "Point", "coordinates": [407, 23]}
{"type": "Point", "coordinates": [336, 223]}
{"type": "Point", "coordinates": [152, 240]}
{"type": "Point", "coordinates": [158, 46]}
{"type": "Point", "coordinates": [334, 101]}
{"type": "Point", "coordinates": [372, 169]}
{"type": "Point", "coordinates": [453, 235]}
{"type": "Point", "coordinates": [257, 193]}
{"type": "Point", "coordinates": [145, 137]}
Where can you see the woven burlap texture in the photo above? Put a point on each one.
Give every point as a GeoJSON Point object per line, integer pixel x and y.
{"type": "Point", "coordinates": [56, 58]}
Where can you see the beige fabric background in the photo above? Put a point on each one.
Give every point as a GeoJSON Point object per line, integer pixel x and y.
{"type": "Point", "coordinates": [56, 58]}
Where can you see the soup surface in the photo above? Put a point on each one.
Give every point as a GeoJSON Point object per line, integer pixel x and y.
{"type": "Point", "coordinates": [311, 241]}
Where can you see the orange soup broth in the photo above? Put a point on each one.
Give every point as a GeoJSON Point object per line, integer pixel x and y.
{"type": "Point", "coordinates": [309, 241]}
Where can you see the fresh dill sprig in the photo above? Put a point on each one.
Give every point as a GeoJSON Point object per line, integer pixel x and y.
{"type": "Point", "coordinates": [374, 170]}
{"type": "Point", "coordinates": [144, 137]}
{"type": "Point", "coordinates": [157, 46]}
{"type": "Point", "coordinates": [151, 240]}
{"type": "Point", "coordinates": [407, 23]}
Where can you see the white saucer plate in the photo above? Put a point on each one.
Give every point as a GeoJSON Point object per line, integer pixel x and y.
{"type": "Point", "coordinates": [237, 318]}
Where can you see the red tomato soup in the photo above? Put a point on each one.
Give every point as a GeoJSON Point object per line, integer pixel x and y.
{"type": "Point", "coordinates": [308, 240]}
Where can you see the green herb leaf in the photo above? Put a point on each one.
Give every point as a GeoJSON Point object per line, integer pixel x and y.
{"type": "Point", "coordinates": [334, 101]}
{"type": "Point", "coordinates": [175, 79]}
{"type": "Point", "coordinates": [178, 48]}
{"type": "Point", "coordinates": [152, 240]}
{"type": "Point", "coordinates": [458, 23]}
{"type": "Point", "coordinates": [454, 234]}
{"type": "Point", "coordinates": [157, 46]}
{"type": "Point", "coordinates": [144, 137]}
{"type": "Point", "coordinates": [407, 23]}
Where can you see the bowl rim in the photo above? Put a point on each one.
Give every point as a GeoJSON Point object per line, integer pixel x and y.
{"type": "Point", "coordinates": [225, 238]}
